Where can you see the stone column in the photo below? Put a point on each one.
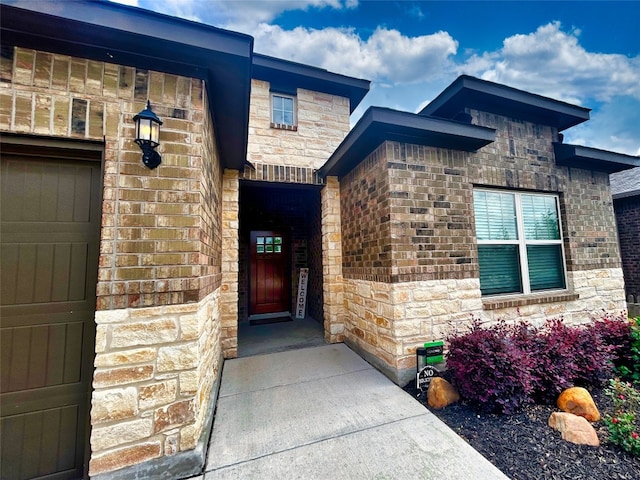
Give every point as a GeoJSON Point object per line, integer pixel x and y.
{"type": "Point", "coordinates": [333, 288]}
{"type": "Point", "coordinates": [230, 265]}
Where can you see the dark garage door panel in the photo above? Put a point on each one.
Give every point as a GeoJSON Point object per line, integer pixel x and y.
{"type": "Point", "coordinates": [49, 247]}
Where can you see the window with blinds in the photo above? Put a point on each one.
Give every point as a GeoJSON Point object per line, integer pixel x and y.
{"type": "Point", "coordinates": [519, 242]}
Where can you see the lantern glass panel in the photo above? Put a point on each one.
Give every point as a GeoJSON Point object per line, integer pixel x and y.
{"type": "Point", "coordinates": [144, 129]}
{"type": "Point", "coordinates": [154, 135]}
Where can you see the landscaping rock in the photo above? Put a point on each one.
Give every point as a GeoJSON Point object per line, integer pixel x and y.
{"type": "Point", "coordinates": [578, 401]}
{"type": "Point", "coordinates": [574, 429]}
{"type": "Point", "coordinates": [441, 393]}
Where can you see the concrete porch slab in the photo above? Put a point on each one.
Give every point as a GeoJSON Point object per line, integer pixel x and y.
{"type": "Point", "coordinates": [324, 413]}
{"type": "Point", "coordinates": [266, 371]}
{"type": "Point", "coordinates": [254, 424]}
{"type": "Point", "coordinates": [413, 448]}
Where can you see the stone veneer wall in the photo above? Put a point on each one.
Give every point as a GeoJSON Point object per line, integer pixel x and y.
{"type": "Point", "coordinates": [628, 221]}
{"type": "Point", "coordinates": [388, 321]}
{"type": "Point", "coordinates": [155, 372]}
{"type": "Point", "coordinates": [335, 314]}
{"type": "Point", "coordinates": [405, 281]}
{"type": "Point", "coordinates": [160, 266]}
{"type": "Point", "coordinates": [230, 262]}
{"type": "Point", "coordinates": [323, 122]}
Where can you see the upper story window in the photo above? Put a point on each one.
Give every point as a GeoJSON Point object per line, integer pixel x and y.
{"type": "Point", "coordinates": [519, 242]}
{"type": "Point", "coordinates": [283, 111]}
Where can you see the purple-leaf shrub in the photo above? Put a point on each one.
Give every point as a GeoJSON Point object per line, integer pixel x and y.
{"type": "Point", "coordinates": [503, 367]}
{"type": "Point", "coordinates": [489, 369]}
{"type": "Point", "coordinates": [615, 331]}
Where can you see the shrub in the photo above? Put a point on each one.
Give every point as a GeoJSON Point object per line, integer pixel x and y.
{"type": "Point", "coordinates": [489, 368]}
{"type": "Point", "coordinates": [615, 331]}
{"type": "Point", "coordinates": [631, 368]}
{"type": "Point", "coordinates": [554, 347]}
{"type": "Point", "coordinates": [592, 357]}
{"type": "Point", "coordinates": [623, 424]}
{"type": "Point", "coordinates": [503, 367]}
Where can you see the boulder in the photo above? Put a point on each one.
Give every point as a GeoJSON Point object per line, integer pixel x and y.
{"type": "Point", "coordinates": [574, 429]}
{"type": "Point", "coordinates": [441, 393]}
{"type": "Point", "coordinates": [578, 401]}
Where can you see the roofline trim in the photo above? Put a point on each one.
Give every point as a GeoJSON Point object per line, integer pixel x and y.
{"type": "Point", "coordinates": [499, 91]}
{"type": "Point", "coordinates": [589, 158]}
{"type": "Point", "coordinates": [629, 194]}
{"type": "Point", "coordinates": [388, 119]}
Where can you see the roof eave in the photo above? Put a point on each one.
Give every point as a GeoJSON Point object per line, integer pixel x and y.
{"type": "Point", "coordinates": [378, 125]}
{"type": "Point", "coordinates": [625, 195]}
{"type": "Point", "coordinates": [297, 75]}
{"type": "Point", "coordinates": [471, 92]}
{"type": "Point", "coordinates": [578, 156]}
{"type": "Point", "coordinates": [122, 35]}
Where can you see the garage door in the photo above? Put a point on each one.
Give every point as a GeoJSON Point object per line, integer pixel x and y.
{"type": "Point", "coordinates": [50, 220]}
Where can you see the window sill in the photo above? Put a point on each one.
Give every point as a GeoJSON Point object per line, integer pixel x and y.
{"type": "Point", "coordinates": [497, 303]}
{"type": "Point", "coordinates": [284, 126]}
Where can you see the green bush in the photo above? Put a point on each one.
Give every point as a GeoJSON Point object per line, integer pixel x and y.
{"type": "Point", "coordinates": [630, 367]}
{"type": "Point", "coordinates": [624, 424]}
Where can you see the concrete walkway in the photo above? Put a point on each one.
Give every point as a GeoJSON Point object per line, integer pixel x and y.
{"type": "Point", "coordinates": [324, 413]}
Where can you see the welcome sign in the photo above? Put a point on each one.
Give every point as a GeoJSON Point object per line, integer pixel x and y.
{"type": "Point", "coordinates": [301, 299]}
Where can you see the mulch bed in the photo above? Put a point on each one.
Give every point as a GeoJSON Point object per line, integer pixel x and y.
{"type": "Point", "coordinates": [524, 447]}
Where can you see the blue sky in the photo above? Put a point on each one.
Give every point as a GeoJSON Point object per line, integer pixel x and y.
{"type": "Point", "coordinates": [582, 52]}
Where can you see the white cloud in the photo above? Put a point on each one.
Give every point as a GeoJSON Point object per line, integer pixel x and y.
{"type": "Point", "coordinates": [551, 62]}
{"type": "Point", "coordinates": [239, 15]}
{"type": "Point", "coordinates": [613, 126]}
{"type": "Point", "coordinates": [407, 72]}
{"type": "Point", "coordinates": [386, 56]}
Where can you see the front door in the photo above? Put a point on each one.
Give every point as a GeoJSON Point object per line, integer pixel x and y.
{"type": "Point", "coordinates": [49, 258]}
{"type": "Point", "coordinates": [269, 273]}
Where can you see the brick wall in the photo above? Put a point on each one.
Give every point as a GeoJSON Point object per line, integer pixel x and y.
{"type": "Point", "coordinates": [628, 221]}
{"type": "Point", "coordinates": [408, 226]}
{"type": "Point", "coordinates": [522, 158]}
{"type": "Point", "coordinates": [158, 338]}
{"type": "Point", "coordinates": [422, 199]}
{"type": "Point", "coordinates": [152, 219]}
{"type": "Point", "coordinates": [365, 215]}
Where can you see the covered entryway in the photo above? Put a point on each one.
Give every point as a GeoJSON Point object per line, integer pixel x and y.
{"type": "Point", "coordinates": [280, 233]}
{"type": "Point", "coordinates": [49, 256]}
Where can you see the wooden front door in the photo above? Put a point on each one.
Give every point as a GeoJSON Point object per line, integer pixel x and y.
{"type": "Point", "coordinates": [50, 221]}
{"type": "Point", "coordinates": [269, 273]}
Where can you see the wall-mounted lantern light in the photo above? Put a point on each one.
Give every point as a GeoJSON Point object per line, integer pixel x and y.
{"type": "Point", "coordinates": [148, 136]}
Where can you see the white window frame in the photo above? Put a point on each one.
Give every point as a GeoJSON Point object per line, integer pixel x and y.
{"type": "Point", "coordinates": [522, 242]}
{"type": "Point", "coordinates": [294, 108]}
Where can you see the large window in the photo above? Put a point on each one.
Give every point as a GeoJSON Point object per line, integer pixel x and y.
{"type": "Point", "coordinates": [519, 242]}
{"type": "Point", "coordinates": [283, 110]}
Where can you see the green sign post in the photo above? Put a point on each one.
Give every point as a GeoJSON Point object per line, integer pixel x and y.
{"type": "Point", "coordinates": [426, 356]}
